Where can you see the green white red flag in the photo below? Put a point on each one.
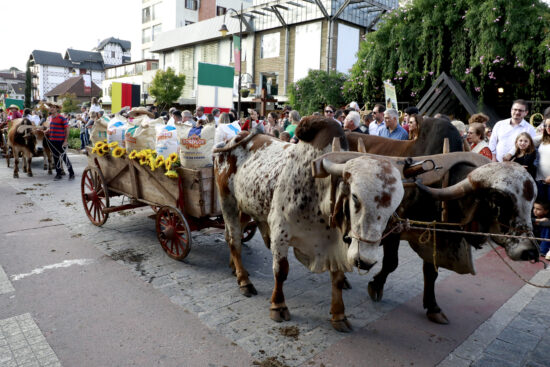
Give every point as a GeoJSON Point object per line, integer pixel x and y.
{"type": "Point", "coordinates": [215, 87]}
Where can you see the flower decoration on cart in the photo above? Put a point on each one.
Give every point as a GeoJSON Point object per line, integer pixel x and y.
{"type": "Point", "coordinates": [147, 157]}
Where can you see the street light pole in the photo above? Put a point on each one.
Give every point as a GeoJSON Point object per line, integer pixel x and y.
{"type": "Point", "coordinates": [224, 30]}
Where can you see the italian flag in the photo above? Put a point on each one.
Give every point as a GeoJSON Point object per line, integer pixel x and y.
{"type": "Point", "coordinates": [215, 87]}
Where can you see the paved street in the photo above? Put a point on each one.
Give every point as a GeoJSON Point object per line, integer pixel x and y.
{"type": "Point", "coordinates": [72, 294]}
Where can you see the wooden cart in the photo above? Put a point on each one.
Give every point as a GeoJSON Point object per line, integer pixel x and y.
{"type": "Point", "coordinates": [182, 204]}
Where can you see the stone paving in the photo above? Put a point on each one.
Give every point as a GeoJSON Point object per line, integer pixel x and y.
{"type": "Point", "coordinates": [203, 283]}
{"type": "Point", "coordinates": [23, 345]}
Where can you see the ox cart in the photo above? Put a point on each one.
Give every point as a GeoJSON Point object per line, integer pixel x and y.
{"type": "Point", "coordinates": [183, 204]}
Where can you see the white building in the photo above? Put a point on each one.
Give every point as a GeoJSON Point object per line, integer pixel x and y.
{"type": "Point", "coordinates": [50, 69]}
{"type": "Point", "coordinates": [282, 41]}
{"type": "Point", "coordinates": [164, 15]}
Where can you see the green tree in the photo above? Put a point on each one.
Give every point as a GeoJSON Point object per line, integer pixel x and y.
{"type": "Point", "coordinates": [166, 87]}
{"type": "Point", "coordinates": [69, 102]}
{"type": "Point", "coordinates": [318, 89]}
{"type": "Point", "coordinates": [28, 86]}
{"type": "Point", "coordinates": [484, 45]}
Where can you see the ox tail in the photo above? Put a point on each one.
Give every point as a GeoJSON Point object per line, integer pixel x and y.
{"type": "Point", "coordinates": [242, 138]}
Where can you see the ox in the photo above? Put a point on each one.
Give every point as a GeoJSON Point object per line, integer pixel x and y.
{"type": "Point", "coordinates": [26, 139]}
{"type": "Point", "coordinates": [483, 196]}
{"type": "Point", "coordinates": [292, 208]}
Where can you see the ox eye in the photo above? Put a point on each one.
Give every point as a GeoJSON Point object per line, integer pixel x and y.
{"type": "Point", "coordinates": [356, 203]}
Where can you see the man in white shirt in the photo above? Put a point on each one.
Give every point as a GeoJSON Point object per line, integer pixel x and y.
{"type": "Point", "coordinates": [378, 124]}
{"type": "Point", "coordinates": [200, 113]}
{"type": "Point", "coordinates": [505, 132]}
{"type": "Point", "coordinates": [216, 114]}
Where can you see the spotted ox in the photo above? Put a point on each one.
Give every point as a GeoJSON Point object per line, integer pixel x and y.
{"type": "Point", "coordinates": [27, 140]}
{"type": "Point", "coordinates": [481, 196]}
{"type": "Point", "coordinates": [272, 182]}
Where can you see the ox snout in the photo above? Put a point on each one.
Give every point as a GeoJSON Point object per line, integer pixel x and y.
{"type": "Point", "coordinates": [364, 254]}
{"type": "Point", "coordinates": [524, 251]}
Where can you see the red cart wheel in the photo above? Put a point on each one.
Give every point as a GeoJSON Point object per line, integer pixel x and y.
{"type": "Point", "coordinates": [173, 232]}
{"type": "Point", "coordinates": [95, 196]}
{"type": "Point", "coordinates": [249, 231]}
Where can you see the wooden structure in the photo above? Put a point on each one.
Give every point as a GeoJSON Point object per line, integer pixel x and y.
{"type": "Point", "coordinates": [182, 204]}
{"type": "Point", "coordinates": [447, 96]}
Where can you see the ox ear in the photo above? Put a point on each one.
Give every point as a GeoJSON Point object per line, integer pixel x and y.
{"type": "Point", "coordinates": [340, 214]}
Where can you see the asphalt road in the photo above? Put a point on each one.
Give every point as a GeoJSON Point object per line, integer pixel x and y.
{"type": "Point", "coordinates": [109, 296]}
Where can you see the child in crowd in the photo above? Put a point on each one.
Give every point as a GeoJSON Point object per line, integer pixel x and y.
{"type": "Point", "coordinates": [524, 153]}
{"type": "Point", "coordinates": [541, 226]}
{"type": "Point", "coordinates": [284, 136]}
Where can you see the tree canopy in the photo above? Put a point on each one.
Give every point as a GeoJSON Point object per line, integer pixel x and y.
{"type": "Point", "coordinates": [70, 103]}
{"type": "Point", "coordinates": [318, 89]}
{"type": "Point", "coordinates": [484, 45]}
{"type": "Point", "coordinates": [166, 87]}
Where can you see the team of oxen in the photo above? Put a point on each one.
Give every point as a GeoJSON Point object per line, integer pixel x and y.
{"type": "Point", "coordinates": [340, 210]}
{"type": "Point", "coordinates": [26, 140]}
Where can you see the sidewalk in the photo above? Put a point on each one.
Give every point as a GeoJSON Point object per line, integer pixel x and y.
{"type": "Point", "coordinates": [121, 301]}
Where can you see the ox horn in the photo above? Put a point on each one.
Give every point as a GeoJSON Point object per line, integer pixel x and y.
{"type": "Point", "coordinates": [23, 128]}
{"type": "Point", "coordinates": [336, 169]}
{"type": "Point", "coordinates": [456, 191]}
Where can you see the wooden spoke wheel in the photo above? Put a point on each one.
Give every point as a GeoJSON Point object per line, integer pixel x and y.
{"type": "Point", "coordinates": [249, 231]}
{"type": "Point", "coordinates": [173, 232]}
{"type": "Point", "coordinates": [95, 195]}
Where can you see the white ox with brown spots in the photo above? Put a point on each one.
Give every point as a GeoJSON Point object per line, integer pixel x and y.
{"type": "Point", "coordinates": [27, 140]}
{"type": "Point", "coordinates": [272, 182]}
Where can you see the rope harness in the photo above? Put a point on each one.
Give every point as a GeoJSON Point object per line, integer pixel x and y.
{"type": "Point", "coordinates": [404, 225]}
{"type": "Point", "coordinates": [62, 155]}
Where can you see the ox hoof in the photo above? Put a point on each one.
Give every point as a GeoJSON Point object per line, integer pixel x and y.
{"type": "Point", "coordinates": [50, 172]}
{"type": "Point", "coordinates": [279, 314]}
{"type": "Point", "coordinates": [29, 174]}
{"type": "Point", "coordinates": [347, 284]}
{"type": "Point", "coordinates": [343, 326]}
{"type": "Point", "coordinates": [15, 175]}
{"type": "Point", "coordinates": [375, 294]}
{"type": "Point", "coordinates": [45, 168]}
{"type": "Point", "coordinates": [438, 318]}
{"type": "Point", "coordinates": [248, 290]}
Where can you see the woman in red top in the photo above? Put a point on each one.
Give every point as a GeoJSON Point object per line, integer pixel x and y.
{"type": "Point", "coordinates": [476, 138]}
{"type": "Point", "coordinates": [253, 121]}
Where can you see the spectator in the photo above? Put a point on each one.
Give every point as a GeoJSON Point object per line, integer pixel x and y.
{"type": "Point", "coordinates": [353, 122]}
{"type": "Point", "coordinates": [505, 131]}
{"type": "Point", "coordinates": [460, 127]}
{"type": "Point", "coordinates": [476, 138]}
{"type": "Point", "coordinates": [14, 112]}
{"type": "Point", "coordinates": [226, 130]}
{"type": "Point", "coordinates": [294, 120]}
{"type": "Point", "coordinates": [95, 106]}
{"type": "Point", "coordinates": [480, 118]}
{"type": "Point", "coordinates": [340, 117]}
{"type": "Point", "coordinates": [177, 118]}
{"type": "Point", "coordinates": [442, 116]}
{"type": "Point", "coordinates": [199, 113]}
{"type": "Point", "coordinates": [273, 127]}
{"type": "Point", "coordinates": [414, 122]}
{"type": "Point", "coordinates": [543, 163]}
{"type": "Point", "coordinates": [378, 124]}
{"type": "Point", "coordinates": [285, 136]}
{"type": "Point", "coordinates": [216, 114]}
{"type": "Point", "coordinates": [188, 118]}
{"type": "Point", "coordinates": [253, 121]}
{"type": "Point", "coordinates": [354, 106]}
{"type": "Point", "coordinates": [154, 111]}
{"type": "Point", "coordinates": [209, 119]}
{"type": "Point", "coordinates": [524, 153]}
{"type": "Point", "coordinates": [541, 226]}
{"type": "Point", "coordinates": [392, 129]}
{"type": "Point", "coordinates": [329, 112]}
{"type": "Point", "coordinates": [285, 120]}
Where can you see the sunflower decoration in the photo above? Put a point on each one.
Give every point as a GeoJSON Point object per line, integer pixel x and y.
{"type": "Point", "coordinates": [143, 160]}
{"type": "Point", "coordinates": [152, 164]}
{"type": "Point", "coordinates": [114, 144]}
{"type": "Point", "coordinates": [99, 144]}
{"type": "Point", "coordinates": [168, 164]}
{"type": "Point", "coordinates": [104, 149]}
{"type": "Point", "coordinates": [133, 154]}
{"type": "Point", "coordinates": [173, 157]}
{"type": "Point", "coordinates": [159, 161]}
{"type": "Point", "coordinates": [118, 152]}
{"type": "Point", "coordinates": [171, 173]}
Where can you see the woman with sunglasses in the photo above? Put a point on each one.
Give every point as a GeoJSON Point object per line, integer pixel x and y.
{"type": "Point", "coordinates": [329, 112]}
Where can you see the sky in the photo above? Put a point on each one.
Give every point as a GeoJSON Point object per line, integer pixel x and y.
{"type": "Point", "coordinates": [57, 25]}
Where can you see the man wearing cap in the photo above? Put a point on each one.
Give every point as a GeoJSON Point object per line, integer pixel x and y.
{"type": "Point", "coordinates": [14, 112]}
{"type": "Point", "coordinates": [58, 132]}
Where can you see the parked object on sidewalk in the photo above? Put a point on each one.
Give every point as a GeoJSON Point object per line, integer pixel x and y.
{"type": "Point", "coordinates": [182, 204]}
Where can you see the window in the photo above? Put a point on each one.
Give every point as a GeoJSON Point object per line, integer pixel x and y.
{"type": "Point", "coordinates": [187, 22]}
{"type": "Point", "coordinates": [168, 58]}
{"type": "Point", "coordinates": [112, 54]}
{"type": "Point", "coordinates": [156, 31]}
{"type": "Point", "coordinates": [146, 35]}
{"type": "Point", "coordinates": [270, 45]}
{"type": "Point", "coordinates": [156, 11]}
{"type": "Point", "coordinates": [220, 10]}
{"type": "Point", "coordinates": [146, 15]}
{"type": "Point", "coordinates": [191, 4]}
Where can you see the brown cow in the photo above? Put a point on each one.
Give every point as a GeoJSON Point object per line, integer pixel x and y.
{"type": "Point", "coordinates": [25, 139]}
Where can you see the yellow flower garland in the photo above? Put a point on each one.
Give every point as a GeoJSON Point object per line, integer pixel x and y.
{"type": "Point", "coordinates": [118, 152]}
{"type": "Point", "coordinates": [114, 144]}
{"type": "Point", "coordinates": [159, 161]}
{"type": "Point", "coordinates": [133, 155]}
{"type": "Point", "coordinates": [171, 174]}
{"type": "Point", "coordinates": [173, 157]}
{"type": "Point", "coordinates": [167, 164]}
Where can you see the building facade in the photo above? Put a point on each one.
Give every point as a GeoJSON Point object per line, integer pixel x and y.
{"type": "Point", "coordinates": [281, 42]}
{"type": "Point", "coordinates": [159, 16]}
{"type": "Point", "coordinates": [12, 84]}
{"type": "Point", "coordinates": [50, 69]}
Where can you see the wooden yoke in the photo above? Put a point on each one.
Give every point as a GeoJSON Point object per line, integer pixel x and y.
{"type": "Point", "coordinates": [336, 147]}
{"type": "Point", "coordinates": [445, 183]}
